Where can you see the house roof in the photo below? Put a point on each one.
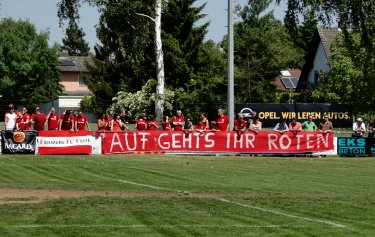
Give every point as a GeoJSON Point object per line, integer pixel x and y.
{"type": "Point", "coordinates": [324, 35]}
{"type": "Point", "coordinates": [289, 74]}
{"type": "Point", "coordinates": [74, 63]}
{"type": "Point", "coordinates": [327, 36]}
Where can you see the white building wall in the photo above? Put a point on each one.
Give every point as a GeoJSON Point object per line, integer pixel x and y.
{"type": "Point", "coordinates": [320, 64]}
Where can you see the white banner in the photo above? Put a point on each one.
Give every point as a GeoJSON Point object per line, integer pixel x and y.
{"type": "Point", "coordinates": [64, 141]}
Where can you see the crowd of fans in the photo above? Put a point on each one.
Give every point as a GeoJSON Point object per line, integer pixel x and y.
{"type": "Point", "coordinates": [76, 121]}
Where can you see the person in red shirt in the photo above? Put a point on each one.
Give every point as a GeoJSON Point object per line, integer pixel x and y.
{"type": "Point", "coordinates": [102, 122]}
{"type": "Point", "coordinates": [66, 121]}
{"type": "Point", "coordinates": [178, 121]}
{"type": "Point", "coordinates": [222, 122]}
{"type": "Point", "coordinates": [141, 123]}
{"type": "Point", "coordinates": [25, 120]}
{"type": "Point", "coordinates": [166, 124]}
{"type": "Point", "coordinates": [116, 123]}
{"type": "Point", "coordinates": [38, 120]}
{"type": "Point", "coordinates": [52, 120]}
{"type": "Point", "coordinates": [152, 124]}
{"type": "Point", "coordinates": [239, 125]}
{"type": "Point", "coordinates": [200, 126]}
{"type": "Point", "coordinates": [19, 125]}
{"type": "Point", "coordinates": [81, 122]}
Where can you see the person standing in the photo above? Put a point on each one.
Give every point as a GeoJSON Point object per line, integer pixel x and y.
{"type": "Point", "coordinates": [102, 122]}
{"type": "Point", "coordinates": [141, 123]}
{"type": "Point", "coordinates": [25, 120]}
{"type": "Point", "coordinates": [81, 122]}
{"type": "Point", "coordinates": [52, 120]}
{"type": "Point", "coordinates": [116, 123]}
{"type": "Point", "coordinates": [239, 125]}
{"type": "Point", "coordinates": [326, 125]}
{"type": "Point", "coordinates": [124, 119]}
{"type": "Point", "coordinates": [10, 118]}
{"type": "Point", "coordinates": [152, 124]}
{"type": "Point", "coordinates": [309, 125]}
{"type": "Point", "coordinates": [166, 124]}
{"type": "Point", "coordinates": [178, 121]}
{"type": "Point", "coordinates": [222, 121]}
{"type": "Point", "coordinates": [66, 121]}
{"type": "Point", "coordinates": [38, 120]}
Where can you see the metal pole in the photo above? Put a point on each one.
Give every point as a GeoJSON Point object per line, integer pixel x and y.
{"type": "Point", "coordinates": [230, 92]}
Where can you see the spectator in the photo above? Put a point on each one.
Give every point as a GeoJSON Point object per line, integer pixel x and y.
{"type": "Point", "coordinates": [66, 121]}
{"type": "Point", "coordinates": [141, 123]}
{"type": "Point", "coordinates": [256, 125]}
{"type": "Point", "coordinates": [52, 120]}
{"type": "Point", "coordinates": [108, 119]}
{"type": "Point", "coordinates": [204, 120]}
{"type": "Point", "coordinates": [10, 118]}
{"type": "Point", "coordinates": [18, 119]}
{"type": "Point", "coordinates": [222, 121]}
{"type": "Point", "coordinates": [116, 123]}
{"type": "Point", "coordinates": [166, 124]}
{"type": "Point", "coordinates": [81, 122]}
{"type": "Point", "coordinates": [239, 125]}
{"type": "Point", "coordinates": [188, 127]}
{"type": "Point", "coordinates": [295, 126]}
{"type": "Point", "coordinates": [124, 119]}
{"type": "Point", "coordinates": [358, 128]}
{"type": "Point", "coordinates": [178, 121]}
{"type": "Point", "coordinates": [38, 120]}
{"type": "Point", "coordinates": [309, 125]}
{"type": "Point", "coordinates": [281, 127]}
{"type": "Point", "coordinates": [371, 129]}
{"type": "Point", "coordinates": [152, 124]}
{"type": "Point", "coordinates": [200, 126]}
{"type": "Point", "coordinates": [326, 125]}
{"type": "Point", "coordinates": [25, 120]}
{"type": "Point", "coordinates": [102, 122]}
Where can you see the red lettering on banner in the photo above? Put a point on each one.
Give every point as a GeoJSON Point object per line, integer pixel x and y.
{"type": "Point", "coordinates": [248, 142]}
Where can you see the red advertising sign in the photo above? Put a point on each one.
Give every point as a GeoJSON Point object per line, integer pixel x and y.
{"type": "Point", "coordinates": [216, 142]}
{"type": "Point", "coordinates": [64, 142]}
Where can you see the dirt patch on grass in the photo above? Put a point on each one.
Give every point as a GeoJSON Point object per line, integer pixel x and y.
{"type": "Point", "coordinates": [37, 196]}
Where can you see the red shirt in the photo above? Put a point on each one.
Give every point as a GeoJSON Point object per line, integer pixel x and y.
{"type": "Point", "coordinates": [222, 123]}
{"type": "Point", "coordinates": [116, 126]}
{"type": "Point", "coordinates": [152, 127]}
{"type": "Point", "coordinates": [200, 126]}
{"type": "Point", "coordinates": [179, 119]}
{"type": "Point", "coordinates": [140, 124]}
{"type": "Point", "coordinates": [81, 122]}
{"type": "Point", "coordinates": [39, 121]}
{"type": "Point", "coordinates": [241, 125]}
{"type": "Point", "coordinates": [25, 123]}
{"type": "Point", "coordinates": [53, 122]}
{"type": "Point", "coordinates": [66, 121]}
{"type": "Point", "coordinates": [19, 121]}
{"type": "Point", "coordinates": [167, 126]}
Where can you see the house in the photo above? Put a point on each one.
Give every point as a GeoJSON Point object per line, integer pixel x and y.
{"type": "Point", "coordinates": [317, 57]}
{"type": "Point", "coordinates": [73, 69]}
{"type": "Point", "coordinates": [287, 80]}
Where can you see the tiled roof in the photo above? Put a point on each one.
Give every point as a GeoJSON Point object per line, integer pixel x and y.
{"type": "Point", "coordinates": [327, 36]}
{"type": "Point", "coordinates": [74, 63]}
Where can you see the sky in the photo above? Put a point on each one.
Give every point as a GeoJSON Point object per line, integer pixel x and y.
{"type": "Point", "coordinates": [43, 14]}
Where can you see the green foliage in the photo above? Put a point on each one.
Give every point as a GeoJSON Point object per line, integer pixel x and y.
{"type": "Point", "coordinates": [29, 68]}
{"type": "Point", "coordinates": [74, 41]}
{"type": "Point", "coordinates": [346, 81]}
{"type": "Point", "coordinates": [85, 104]}
{"type": "Point", "coordinates": [263, 47]}
{"type": "Point", "coordinates": [142, 101]}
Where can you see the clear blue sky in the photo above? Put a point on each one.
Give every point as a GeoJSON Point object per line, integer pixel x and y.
{"type": "Point", "coordinates": [43, 14]}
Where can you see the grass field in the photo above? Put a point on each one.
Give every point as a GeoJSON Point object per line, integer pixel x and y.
{"type": "Point", "coordinates": [186, 196]}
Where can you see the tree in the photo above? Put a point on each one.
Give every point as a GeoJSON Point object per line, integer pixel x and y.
{"type": "Point", "coordinates": [345, 82]}
{"type": "Point", "coordinates": [263, 47]}
{"type": "Point", "coordinates": [29, 68]}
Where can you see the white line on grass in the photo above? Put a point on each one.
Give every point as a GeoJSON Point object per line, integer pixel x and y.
{"type": "Point", "coordinates": [248, 206]}
{"type": "Point", "coordinates": [282, 214]}
{"type": "Point", "coordinates": [148, 226]}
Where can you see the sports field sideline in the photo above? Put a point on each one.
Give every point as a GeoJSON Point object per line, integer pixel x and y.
{"type": "Point", "coordinates": [138, 195]}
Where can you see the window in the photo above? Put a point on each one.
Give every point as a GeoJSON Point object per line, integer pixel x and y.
{"type": "Point", "coordinates": [316, 77]}
{"type": "Point", "coordinates": [81, 81]}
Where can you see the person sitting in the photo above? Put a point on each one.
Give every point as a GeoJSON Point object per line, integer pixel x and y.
{"type": "Point", "coordinates": [239, 125]}
{"type": "Point", "coordinates": [359, 128]}
{"type": "Point", "coordinates": [281, 127]}
{"type": "Point", "coordinates": [200, 126]}
{"type": "Point", "coordinates": [256, 125]}
{"type": "Point", "coordinates": [187, 127]}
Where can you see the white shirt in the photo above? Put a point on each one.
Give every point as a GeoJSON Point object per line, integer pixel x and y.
{"type": "Point", "coordinates": [360, 127]}
{"type": "Point", "coordinates": [11, 121]}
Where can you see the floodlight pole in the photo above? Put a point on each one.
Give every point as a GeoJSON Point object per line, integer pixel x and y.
{"type": "Point", "coordinates": [230, 100]}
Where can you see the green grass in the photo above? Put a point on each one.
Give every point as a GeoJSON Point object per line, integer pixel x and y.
{"type": "Point", "coordinates": [229, 196]}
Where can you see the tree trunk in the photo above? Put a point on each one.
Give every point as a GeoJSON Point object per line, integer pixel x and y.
{"type": "Point", "coordinates": [159, 98]}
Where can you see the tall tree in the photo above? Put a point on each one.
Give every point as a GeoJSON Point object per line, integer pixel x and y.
{"type": "Point", "coordinates": [263, 47]}
{"type": "Point", "coordinates": [29, 68]}
{"type": "Point", "coordinates": [74, 41]}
